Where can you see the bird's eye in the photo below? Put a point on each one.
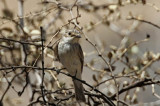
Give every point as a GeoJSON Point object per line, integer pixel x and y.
{"type": "Point", "coordinates": [69, 33]}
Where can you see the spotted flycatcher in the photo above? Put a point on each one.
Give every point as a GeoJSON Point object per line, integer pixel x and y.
{"type": "Point", "coordinates": [70, 54]}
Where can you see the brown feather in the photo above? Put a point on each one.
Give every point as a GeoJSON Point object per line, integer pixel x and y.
{"type": "Point", "coordinates": [81, 56]}
{"type": "Point", "coordinates": [55, 49]}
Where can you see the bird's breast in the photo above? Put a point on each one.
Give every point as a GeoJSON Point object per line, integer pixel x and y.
{"type": "Point", "coordinates": [68, 55]}
{"type": "Point", "coordinates": [67, 49]}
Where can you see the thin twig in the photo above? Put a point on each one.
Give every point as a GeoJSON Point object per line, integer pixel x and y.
{"type": "Point", "coordinates": [142, 20]}
{"type": "Point", "coordinates": [43, 73]}
{"type": "Point", "coordinates": [142, 83]}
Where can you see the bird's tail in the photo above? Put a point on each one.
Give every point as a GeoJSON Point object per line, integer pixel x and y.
{"type": "Point", "coordinates": [79, 91]}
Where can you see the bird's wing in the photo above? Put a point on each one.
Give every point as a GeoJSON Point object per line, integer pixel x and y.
{"type": "Point", "coordinates": [81, 56]}
{"type": "Point", "coordinates": [55, 49]}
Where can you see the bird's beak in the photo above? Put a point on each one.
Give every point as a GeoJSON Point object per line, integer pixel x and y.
{"type": "Point", "coordinates": [78, 36]}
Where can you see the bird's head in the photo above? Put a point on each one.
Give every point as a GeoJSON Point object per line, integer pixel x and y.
{"type": "Point", "coordinates": [71, 36]}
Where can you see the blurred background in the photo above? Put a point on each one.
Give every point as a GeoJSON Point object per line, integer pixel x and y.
{"type": "Point", "coordinates": [113, 25]}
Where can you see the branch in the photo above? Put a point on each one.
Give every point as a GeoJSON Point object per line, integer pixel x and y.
{"type": "Point", "coordinates": [141, 20]}
{"type": "Point", "coordinates": [23, 42]}
{"type": "Point", "coordinates": [43, 73]}
{"type": "Point", "coordinates": [107, 100]}
{"type": "Point", "coordinates": [142, 83]}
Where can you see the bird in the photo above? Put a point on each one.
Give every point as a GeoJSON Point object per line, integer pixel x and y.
{"type": "Point", "coordinates": [70, 55]}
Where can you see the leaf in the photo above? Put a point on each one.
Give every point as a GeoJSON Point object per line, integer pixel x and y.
{"type": "Point", "coordinates": [7, 29]}
{"type": "Point", "coordinates": [8, 13]}
{"type": "Point", "coordinates": [110, 55]}
{"type": "Point", "coordinates": [144, 1]}
{"type": "Point", "coordinates": [94, 78]}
